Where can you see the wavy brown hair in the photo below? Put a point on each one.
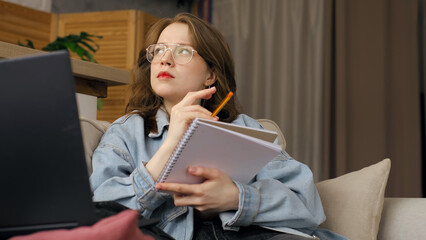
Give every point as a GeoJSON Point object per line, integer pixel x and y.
{"type": "Point", "coordinates": [211, 46]}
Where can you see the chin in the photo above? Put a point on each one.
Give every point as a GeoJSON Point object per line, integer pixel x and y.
{"type": "Point", "coordinates": [166, 93]}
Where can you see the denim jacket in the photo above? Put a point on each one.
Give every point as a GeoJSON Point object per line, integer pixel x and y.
{"type": "Point", "coordinates": [282, 196]}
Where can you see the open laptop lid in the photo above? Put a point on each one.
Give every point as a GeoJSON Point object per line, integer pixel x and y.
{"type": "Point", "coordinates": [43, 175]}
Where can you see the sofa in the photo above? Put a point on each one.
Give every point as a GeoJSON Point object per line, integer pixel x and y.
{"type": "Point", "coordinates": [354, 203]}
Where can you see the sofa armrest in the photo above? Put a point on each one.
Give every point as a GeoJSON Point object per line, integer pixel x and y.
{"type": "Point", "coordinates": [403, 218]}
{"type": "Point", "coordinates": [272, 126]}
{"type": "Point", "coordinates": [92, 132]}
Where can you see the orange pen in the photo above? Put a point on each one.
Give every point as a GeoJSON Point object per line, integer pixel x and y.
{"type": "Point", "coordinates": [224, 101]}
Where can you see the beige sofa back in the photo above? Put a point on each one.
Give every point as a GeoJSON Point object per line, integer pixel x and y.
{"type": "Point", "coordinates": [93, 130]}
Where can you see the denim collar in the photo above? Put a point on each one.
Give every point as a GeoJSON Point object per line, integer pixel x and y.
{"type": "Point", "coordinates": [162, 121]}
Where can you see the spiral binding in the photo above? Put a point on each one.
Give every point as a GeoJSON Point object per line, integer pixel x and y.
{"type": "Point", "coordinates": [177, 151]}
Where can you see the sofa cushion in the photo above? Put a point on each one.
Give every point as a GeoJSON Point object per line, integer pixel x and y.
{"type": "Point", "coordinates": [353, 202]}
{"type": "Point", "coordinates": [92, 132]}
{"type": "Point", "coordinates": [403, 218]}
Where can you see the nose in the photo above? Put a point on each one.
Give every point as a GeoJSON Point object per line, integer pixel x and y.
{"type": "Point", "coordinates": [167, 58]}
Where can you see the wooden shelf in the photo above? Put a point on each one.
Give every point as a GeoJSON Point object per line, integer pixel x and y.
{"type": "Point", "coordinates": [90, 78]}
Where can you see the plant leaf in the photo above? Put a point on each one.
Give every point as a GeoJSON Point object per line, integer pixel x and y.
{"type": "Point", "coordinates": [78, 44]}
{"type": "Point", "coordinates": [29, 44]}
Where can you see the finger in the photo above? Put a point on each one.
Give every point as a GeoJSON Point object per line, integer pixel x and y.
{"type": "Point", "coordinates": [201, 114]}
{"type": "Point", "coordinates": [195, 109]}
{"type": "Point", "coordinates": [188, 113]}
{"type": "Point", "coordinates": [193, 97]}
{"type": "Point", "coordinates": [207, 173]}
{"type": "Point", "coordinates": [187, 200]}
{"type": "Point", "coordinates": [177, 188]}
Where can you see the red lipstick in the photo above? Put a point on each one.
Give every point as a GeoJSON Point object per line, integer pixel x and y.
{"type": "Point", "coordinates": [164, 75]}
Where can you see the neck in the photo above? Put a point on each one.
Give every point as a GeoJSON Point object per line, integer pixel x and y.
{"type": "Point", "coordinates": [168, 107]}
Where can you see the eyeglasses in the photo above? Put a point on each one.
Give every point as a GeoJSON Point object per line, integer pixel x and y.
{"type": "Point", "coordinates": [182, 54]}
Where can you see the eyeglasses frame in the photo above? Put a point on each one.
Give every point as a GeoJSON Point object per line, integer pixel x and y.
{"type": "Point", "coordinates": [171, 51]}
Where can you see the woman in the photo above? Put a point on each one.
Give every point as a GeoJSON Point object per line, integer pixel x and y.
{"type": "Point", "coordinates": [184, 73]}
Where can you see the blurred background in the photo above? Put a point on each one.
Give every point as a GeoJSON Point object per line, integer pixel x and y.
{"type": "Point", "coordinates": [344, 79]}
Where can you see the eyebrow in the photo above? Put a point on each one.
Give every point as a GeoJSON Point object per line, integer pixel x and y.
{"type": "Point", "coordinates": [164, 43]}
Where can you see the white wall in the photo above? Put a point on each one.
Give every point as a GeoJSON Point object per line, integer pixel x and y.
{"type": "Point", "coordinates": [42, 5]}
{"type": "Point", "coordinates": [86, 105]}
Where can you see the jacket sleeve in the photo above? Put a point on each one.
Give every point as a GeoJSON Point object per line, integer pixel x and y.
{"type": "Point", "coordinates": [119, 176]}
{"type": "Point", "coordinates": [283, 193]}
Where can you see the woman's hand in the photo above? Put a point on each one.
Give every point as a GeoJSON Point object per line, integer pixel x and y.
{"type": "Point", "coordinates": [181, 115]}
{"type": "Point", "coordinates": [218, 193]}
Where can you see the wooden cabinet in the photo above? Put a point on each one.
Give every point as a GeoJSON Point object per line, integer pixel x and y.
{"type": "Point", "coordinates": [123, 35]}
{"type": "Point", "coordinates": [18, 23]}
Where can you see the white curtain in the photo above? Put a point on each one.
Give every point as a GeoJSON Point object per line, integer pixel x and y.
{"type": "Point", "coordinates": [278, 48]}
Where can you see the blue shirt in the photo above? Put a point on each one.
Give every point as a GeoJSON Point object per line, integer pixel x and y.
{"type": "Point", "coordinates": [282, 196]}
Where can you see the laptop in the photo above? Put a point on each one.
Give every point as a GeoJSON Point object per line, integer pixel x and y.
{"type": "Point", "coordinates": [44, 180]}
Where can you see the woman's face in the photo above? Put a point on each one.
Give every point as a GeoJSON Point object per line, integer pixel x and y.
{"type": "Point", "coordinates": [171, 80]}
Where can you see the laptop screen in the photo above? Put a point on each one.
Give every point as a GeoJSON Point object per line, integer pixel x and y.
{"type": "Point", "coordinates": [43, 174]}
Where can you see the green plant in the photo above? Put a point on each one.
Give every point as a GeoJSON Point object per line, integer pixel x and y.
{"type": "Point", "coordinates": [79, 44]}
{"type": "Point", "coordinates": [74, 43]}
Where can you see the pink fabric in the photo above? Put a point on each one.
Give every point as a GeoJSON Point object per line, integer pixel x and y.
{"type": "Point", "coordinates": [121, 226]}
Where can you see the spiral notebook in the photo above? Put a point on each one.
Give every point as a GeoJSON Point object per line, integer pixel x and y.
{"type": "Point", "coordinates": [238, 151]}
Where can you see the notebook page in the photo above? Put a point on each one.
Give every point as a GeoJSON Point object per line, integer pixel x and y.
{"type": "Point", "coordinates": [237, 155]}
{"type": "Point", "coordinates": [263, 134]}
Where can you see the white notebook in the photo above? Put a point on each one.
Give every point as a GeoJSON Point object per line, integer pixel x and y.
{"type": "Point", "coordinates": [240, 152]}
